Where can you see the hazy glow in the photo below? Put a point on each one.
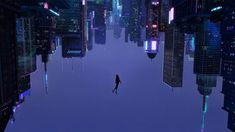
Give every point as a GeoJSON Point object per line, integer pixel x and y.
{"type": "Point", "coordinates": [171, 14]}
{"type": "Point", "coordinates": [46, 82]}
{"type": "Point", "coordinates": [216, 8]}
{"type": "Point", "coordinates": [45, 5]}
{"type": "Point", "coordinates": [150, 45]}
{"type": "Point", "coordinates": [206, 104]}
{"type": "Point", "coordinates": [203, 121]}
{"type": "Point", "coordinates": [154, 26]}
{"type": "Point", "coordinates": [203, 114]}
{"type": "Point", "coordinates": [26, 93]}
{"type": "Point", "coordinates": [55, 13]}
{"type": "Point", "coordinates": [46, 77]}
{"type": "Point", "coordinates": [146, 45]}
{"type": "Point", "coordinates": [155, 3]}
{"type": "Point", "coordinates": [193, 43]}
{"type": "Point", "coordinates": [74, 51]}
{"type": "Point", "coordinates": [154, 45]}
{"type": "Point", "coordinates": [83, 2]}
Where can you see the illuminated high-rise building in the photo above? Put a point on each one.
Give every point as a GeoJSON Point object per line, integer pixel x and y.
{"type": "Point", "coordinates": [45, 34]}
{"type": "Point", "coordinates": [190, 9]}
{"type": "Point", "coordinates": [152, 12]}
{"type": "Point", "coordinates": [45, 41]}
{"type": "Point", "coordinates": [26, 46]}
{"type": "Point", "coordinates": [152, 34]}
{"type": "Point", "coordinates": [134, 20]}
{"type": "Point", "coordinates": [8, 61]}
{"type": "Point", "coordinates": [228, 60]}
{"type": "Point", "coordinates": [188, 14]}
{"type": "Point", "coordinates": [207, 60]}
{"type": "Point", "coordinates": [125, 18]}
{"type": "Point", "coordinates": [70, 20]}
{"type": "Point", "coordinates": [207, 49]}
{"type": "Point", "coordinates": [164, 14]}
{"type": "Point", "coordinates": [72, 47]}
{"type": "Point", "coordinates": [173, 57]}
{"type": "Point", "coordinates": [99, 23]}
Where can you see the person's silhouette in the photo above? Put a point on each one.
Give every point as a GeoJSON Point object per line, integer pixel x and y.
{"type": "Point", "coordinates": [117, 81]}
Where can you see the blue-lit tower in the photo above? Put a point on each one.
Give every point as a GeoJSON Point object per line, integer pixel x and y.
{"type": "Point", "coordinates": [228, 60]}
{"type": "Point", "coordinates": [207, 59]}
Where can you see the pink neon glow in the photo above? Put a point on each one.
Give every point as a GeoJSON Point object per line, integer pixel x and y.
{"type": "Point", "coordinates": [171, 14]}
{"type": "Point", "coordinates": [45, 5]}
{"type": "Point", "coordinates": [154, 26]}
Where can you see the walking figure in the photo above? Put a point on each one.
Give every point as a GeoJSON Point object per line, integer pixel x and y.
{"type": "Point", "coordinates": [117, 81]}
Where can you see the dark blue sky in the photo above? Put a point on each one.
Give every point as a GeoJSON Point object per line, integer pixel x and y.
{"type": "Point", "coordinates": [80, 97]}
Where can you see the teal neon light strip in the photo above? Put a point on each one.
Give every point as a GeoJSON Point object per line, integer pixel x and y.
{"type": "Point", "coordinates": [55, 13]}
{"type": "Point", "coordinates": [216, 8]}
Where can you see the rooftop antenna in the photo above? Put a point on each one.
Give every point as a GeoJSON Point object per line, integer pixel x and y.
{"type": "Point", "coordinates": [204, 110]}
{"type": "Point", "coordinates": [46, 78]}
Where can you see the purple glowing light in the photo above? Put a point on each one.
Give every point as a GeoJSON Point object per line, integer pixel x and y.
{"type": "Point", "coordinates": [171, 15]}
{"type": "Point", "coordinates": [154, 45]}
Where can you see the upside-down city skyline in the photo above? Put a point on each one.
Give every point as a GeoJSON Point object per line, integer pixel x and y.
{"type": "Point", "coordinates": [117, 65]}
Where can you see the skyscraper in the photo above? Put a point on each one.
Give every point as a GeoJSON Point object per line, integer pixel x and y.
{"type": "Point", "coordinates": [228, 60]}
{"type": "Point", "coordinates": [190, 9]}
{"type": "Point", "coordinates": [72, 47]}
{"type": "Point", "coordinates": [207, 60]}
{"type": "Point", "coordinates": [134, 21]}
{"type": "Point", "coordinates": [8, 61]}
{"type": "Point", "coordinates": [164, 14]}
{"type": "Point", "coordinates": [173, 57]}
{"type": "Point", "coordinates": [99, 23]}
{"type": "Point", "coordinates": [69, 21]}
{"type": "Point", "coordinates": [72, 26]}
{"type": "Point", "coordinates": [152, 34]}
{"type": "Point", "coordinates": [152, 12]}
{"type": "Point", "coordinates": [207, 49]}
{"type": "Point", "coordinates": [26, 46]}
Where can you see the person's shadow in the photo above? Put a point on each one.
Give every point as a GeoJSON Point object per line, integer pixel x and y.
{"type": "Point", "coordinates": [117, 82]}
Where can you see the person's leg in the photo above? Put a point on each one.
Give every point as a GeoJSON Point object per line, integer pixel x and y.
{"type": "Point", "coordinates": [115, 89]}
